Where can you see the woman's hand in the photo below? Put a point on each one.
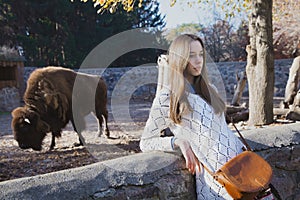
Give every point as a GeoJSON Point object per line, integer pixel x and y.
{"type": "Point", "coordinates": [191, 160]}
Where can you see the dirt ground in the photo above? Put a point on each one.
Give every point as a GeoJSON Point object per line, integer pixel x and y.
{"type": "Point", "coordinates": [125, 132]}
{"type": "Point", "coordinates": [17, 163]}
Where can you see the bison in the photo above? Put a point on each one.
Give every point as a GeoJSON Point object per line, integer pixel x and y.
{"type": "Point", "coordinates": [53, 97]}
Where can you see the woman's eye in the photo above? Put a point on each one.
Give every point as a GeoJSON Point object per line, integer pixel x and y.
{"type": "Point", "coordinates": [195, 55]}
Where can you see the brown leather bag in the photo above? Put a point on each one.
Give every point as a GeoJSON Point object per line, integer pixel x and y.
{"type": "Point", "coordinates": [244, 176]}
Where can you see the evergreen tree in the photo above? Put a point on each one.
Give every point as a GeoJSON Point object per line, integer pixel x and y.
{"type": "Point", "coordinates": [62, 33]}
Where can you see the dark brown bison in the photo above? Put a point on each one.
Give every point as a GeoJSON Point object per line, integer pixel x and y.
{"type": "Point", "coordinates": [53, 97]}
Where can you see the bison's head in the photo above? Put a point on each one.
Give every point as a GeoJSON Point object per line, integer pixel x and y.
{"type": "Point", "coordinates": [28, 129]}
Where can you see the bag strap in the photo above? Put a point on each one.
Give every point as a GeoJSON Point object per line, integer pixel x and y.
{"type": "Point", "coordinates": [271, 186]}
{"type": "Point", "coordinates": [275, 191]}
{"type": "Point", "coordinates": [241, 136]}
{"type": "Point", "coordinates": [243, 140]}
{"type": "Point", "coordinates": [208, 170]}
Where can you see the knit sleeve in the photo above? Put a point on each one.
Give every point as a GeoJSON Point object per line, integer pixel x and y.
{"type": "Point", "coordinates": [158, 120]}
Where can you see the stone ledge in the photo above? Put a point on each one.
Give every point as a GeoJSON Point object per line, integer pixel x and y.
{"type": "Point", "coordinates": [276, 136]}
{"type": "Point", "coordinates": [158, 175]}
{"type": "Point", "coordinates": [154, 175]}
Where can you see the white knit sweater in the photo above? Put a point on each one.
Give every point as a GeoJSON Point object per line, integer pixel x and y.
{"type": "Point", "coordinates": [208, 134]}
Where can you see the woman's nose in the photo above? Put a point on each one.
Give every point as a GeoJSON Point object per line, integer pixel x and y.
{"type": "Point", "coordinates": [198, 58]}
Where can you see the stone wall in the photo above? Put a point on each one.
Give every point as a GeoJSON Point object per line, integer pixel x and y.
{"type": "Point", "coordinates": [140, 82]}
{"type": "Point", "coordinates": [9, 99]}
{"type": "Point", "coordinates": [158, 175]}
{"type": "Point", "coordinates": [228, 71]}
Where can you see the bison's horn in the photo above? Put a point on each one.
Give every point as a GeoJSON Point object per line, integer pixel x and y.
{"type": "Point", "coordinates": [27, 120]}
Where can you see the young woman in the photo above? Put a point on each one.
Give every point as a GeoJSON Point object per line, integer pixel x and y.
{"type": "Point", "coordinates": [191, 108]}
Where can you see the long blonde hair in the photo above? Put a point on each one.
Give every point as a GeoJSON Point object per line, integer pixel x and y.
{"type": "Point", "coordinates": [178, 58]}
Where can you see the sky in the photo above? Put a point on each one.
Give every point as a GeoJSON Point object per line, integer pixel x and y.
{"type": "Point", "coordinates": [181, 13]}
{"type": "Point", "coordinates": [177, 15]}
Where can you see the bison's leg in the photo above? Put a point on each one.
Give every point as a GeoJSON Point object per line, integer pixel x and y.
{"type": "Point", "coordinates": [100, 125]}
{"type": "Point", "coordinates": [106, 127]}
{"type": "Point", "coordinates": [52, 142]}
{"type": "Point", "coordinates": [78, 128]}
{"type": "Point", "coordinates": [55, 133]}
{"type": "Point", "coordinates": [102, 117]}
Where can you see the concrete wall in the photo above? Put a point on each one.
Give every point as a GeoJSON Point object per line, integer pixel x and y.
{"type": "Point", "coordinates": [158, 175]}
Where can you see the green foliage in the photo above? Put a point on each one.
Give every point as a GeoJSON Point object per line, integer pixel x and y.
{"type": "Point", "coordinates": [113, 5]}
{"type": "Point", "coordinates": [62, 33]}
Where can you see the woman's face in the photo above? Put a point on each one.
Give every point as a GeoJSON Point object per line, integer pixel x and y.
{"type": "Point", "coordinates": [195, 64]}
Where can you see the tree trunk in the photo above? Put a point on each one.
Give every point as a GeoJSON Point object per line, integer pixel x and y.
{"type": "Point", "coordinates": [260, 63]}
{"type": "Point", "coordinates": [280, 111]}
{"type": "Point", "coordinates": [294, 112]}
{"type": "Point", "coordinates": [235, 114]}
{"type": "Point", "coordinates": [240, 86]}
{"type": "Point", "coordinates": [291, 87]}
